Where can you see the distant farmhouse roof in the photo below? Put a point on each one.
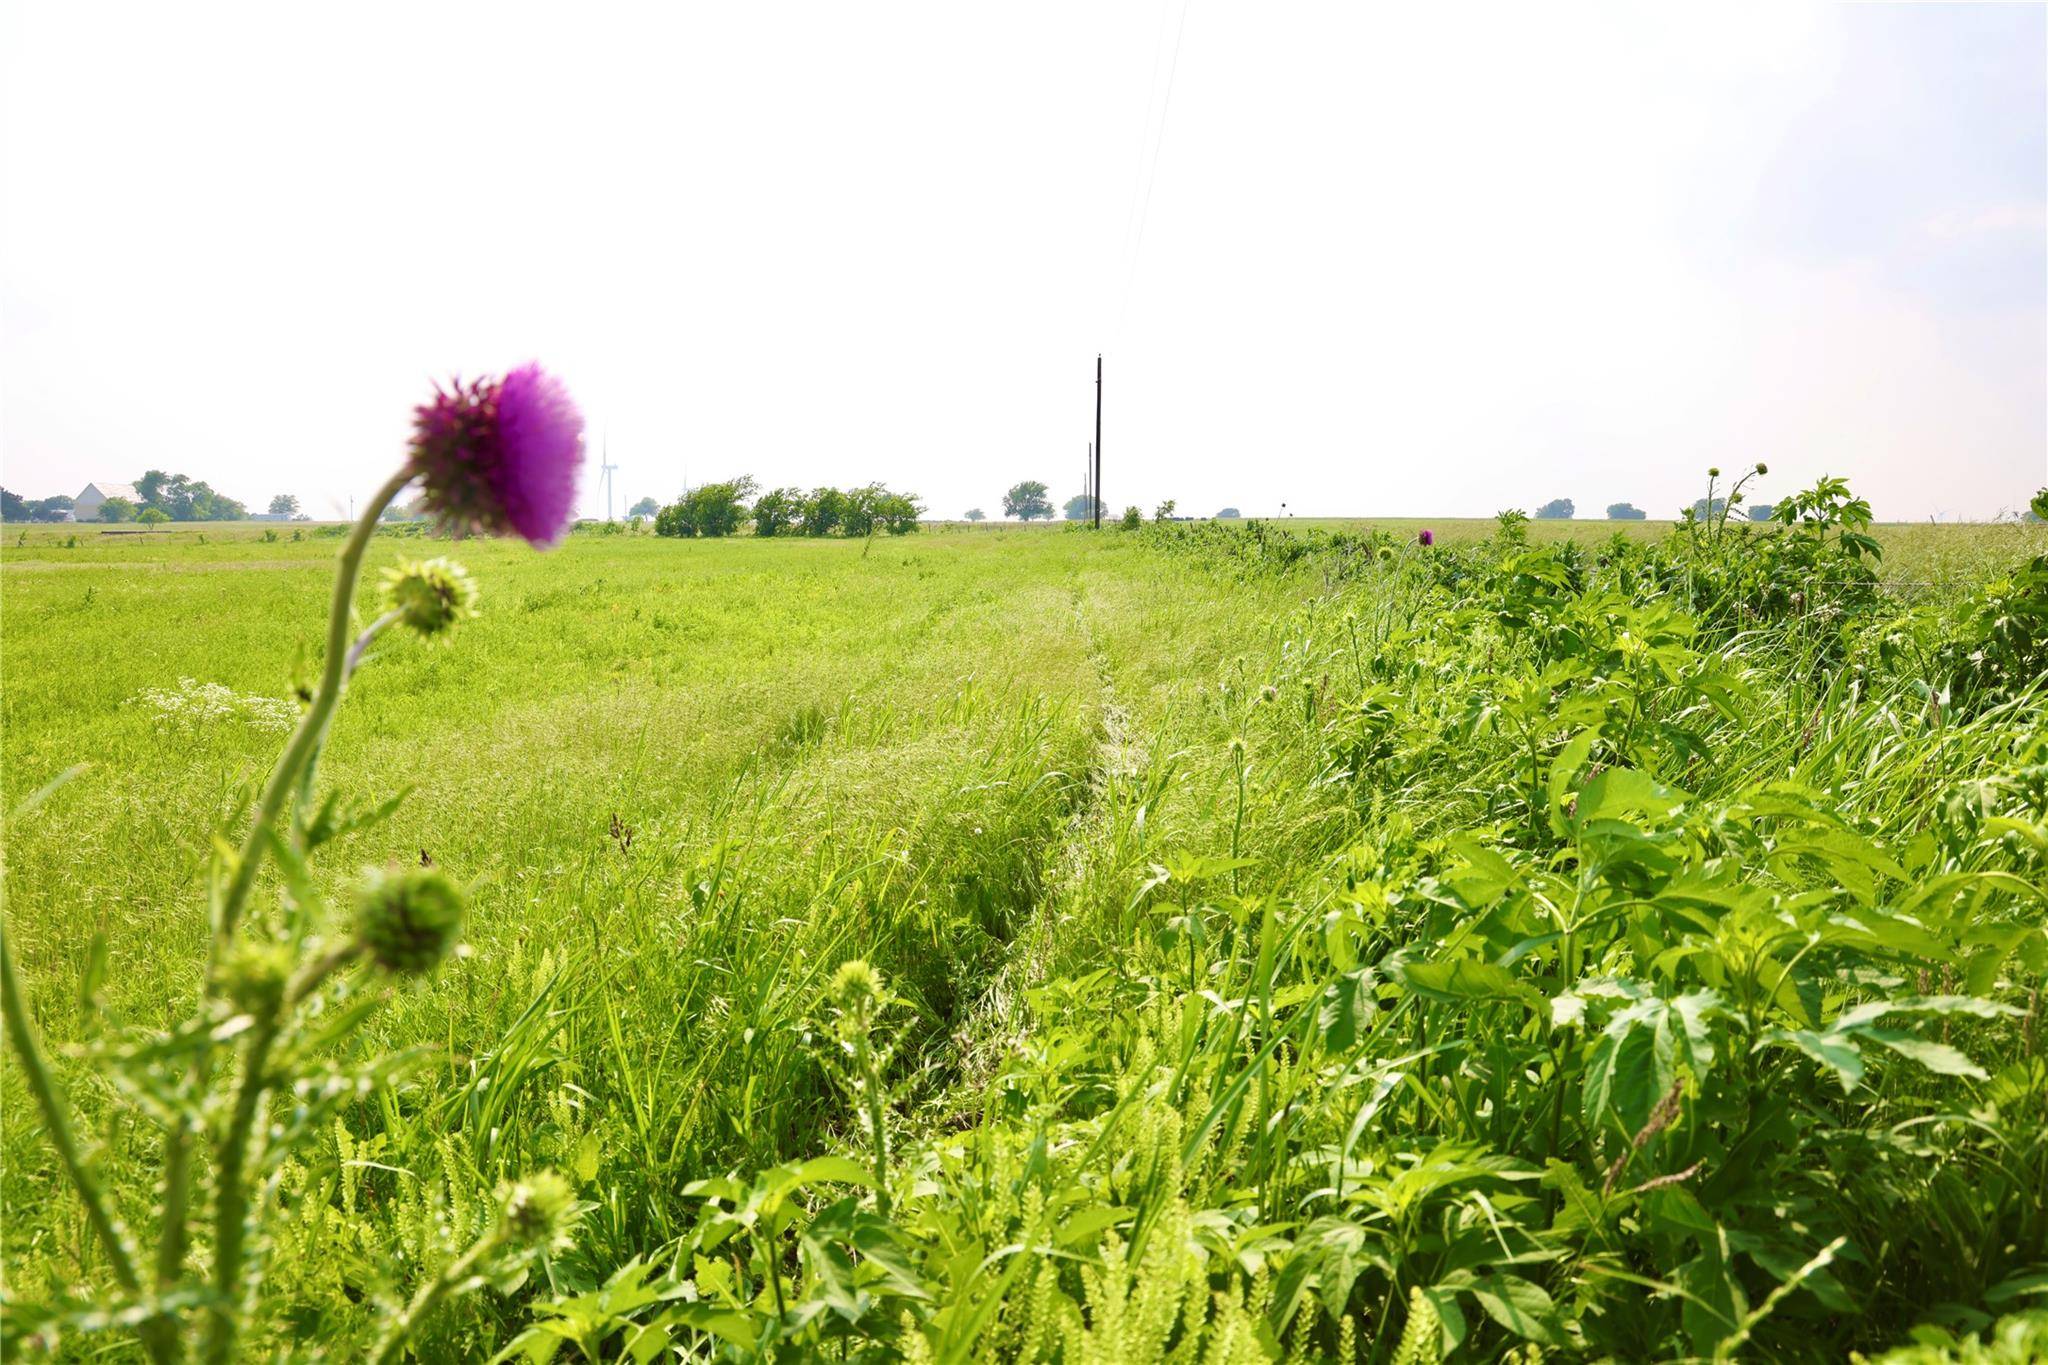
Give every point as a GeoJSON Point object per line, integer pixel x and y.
{"type": "Point", "coordinates": [86, 506]}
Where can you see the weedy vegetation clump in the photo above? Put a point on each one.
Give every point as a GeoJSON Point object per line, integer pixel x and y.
{"type": "Point", "coordinates": [1215, 942]}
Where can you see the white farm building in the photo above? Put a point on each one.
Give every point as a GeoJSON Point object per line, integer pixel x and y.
{"type": "Point", "coordinates": [86, 506]}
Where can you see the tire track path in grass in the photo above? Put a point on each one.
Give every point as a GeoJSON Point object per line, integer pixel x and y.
{"type": "Point", "coordinates": [1120, 756]}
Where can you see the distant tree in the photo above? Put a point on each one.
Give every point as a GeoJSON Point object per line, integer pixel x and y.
{"type": "Point", "coordinates": [13, 506]}
{"type": "Point", "coordinates": [1762, 511]}
{"type": "Point", "coordinates": [208, 505]}
{"type": "Point", "coordinates": [824, 510]}
{"type": "Point", "coordinates": [778, 511]}
{"type": "Point", "coordinates": [1080, 507]}
{"type": "Point", "coordinates": [976, 514]}
{"type": "Point", "coordinates": [1705, 510]}
{"type": "Point", "coordinates": [1626, 511]}
{"type": "Point", "coordinates": [183, 499]}
{"type": "Point", "coordinates": [1229, 514]}
{"type": "Point", "coordinates": [646, 507]}
{"type": "Point", "coordinates": [50, 509]}
{"type": "Point", "coordinates": [150, 488]}
{"type": "Point", "coordinates": [711, 509]}
{"type": "Point", "coordinates": [1027, 502]}
{"type": "Point", "coordinates": [1164, 511]}
{"type": "Point", "coordinates": [152, 517]}
{"type": "Point", "coordinates": [898, 512]}
{"type": "Point", "coordinates": [284, 505]}
{"type": "Point", "coordinates": [117, 509]}
{"type": "Point", "coordinates": [857, 514]}
{"type": "Point", "coordinates": [1133, 518]}
{"type": "Point", "coordinates": [1557, 509]}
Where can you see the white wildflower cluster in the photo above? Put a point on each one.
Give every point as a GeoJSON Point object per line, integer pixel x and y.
{"type": "Point", "coordinates": [193, 705]}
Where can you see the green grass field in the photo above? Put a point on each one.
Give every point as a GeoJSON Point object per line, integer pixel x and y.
{"type": "Point", "coordinates": [1498, 950]}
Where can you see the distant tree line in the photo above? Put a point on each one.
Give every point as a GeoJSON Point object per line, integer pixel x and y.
{"type": "Point", "coordinates": [174, 496]}
{"type": "Point", "coordinates": [14, 507]}
{"type": "Point", "coordinates": [721, 509]}
{"type": "Point", "coordinates": [1031, 500]}
{"type": "Point", "coordinates": [183, 499]}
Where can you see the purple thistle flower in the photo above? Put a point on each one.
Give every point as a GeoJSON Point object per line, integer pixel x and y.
{"type": "Point", "coordinates": [1428, 537]}
{"type": "Point", "coordinates": [501, 455]}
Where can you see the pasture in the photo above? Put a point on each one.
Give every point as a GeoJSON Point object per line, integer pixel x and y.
{"type": "Point", "coordinates": [1520, 947]}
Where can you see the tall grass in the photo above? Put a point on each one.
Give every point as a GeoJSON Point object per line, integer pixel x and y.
{"type": "Point", "coordinates": [1353, 952]}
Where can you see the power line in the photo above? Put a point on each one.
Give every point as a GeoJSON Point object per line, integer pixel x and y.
{"type": "Point", "coordinates": [1151, 177]}
{"type": "Point", "coordinates": [1144, 140]}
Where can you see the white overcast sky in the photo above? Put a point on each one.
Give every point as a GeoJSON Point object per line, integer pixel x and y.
{"type": "Point", "coordinates": [1399, 259]}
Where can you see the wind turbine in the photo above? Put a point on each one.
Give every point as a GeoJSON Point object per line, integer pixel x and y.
{"type": "Point", "coordinates": [606, 467]}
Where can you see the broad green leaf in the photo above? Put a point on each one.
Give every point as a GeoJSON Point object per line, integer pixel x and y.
{"type": "Point", "coordinates": [1347, 1005]}
{"type": "Point", "coordinates": [1465, 979]}
{"type": "Point", "coordinates": [1567, 1010]}
{"type": "Point", "coordinates": [1081, 1229]}
{"type": "Point", "coordinates": [1623, 1078]}
{"type": "Point", "coordinates": [1693, 1010]}
{"type": "Point", "coordinates": [645, 1341]}
{"type": "Point", "coordinates": [1626, 791]}
{"type": "Point", "coordinates": [1563, 769]}
{"type": "Point", "coordinates": [1451, 1318]}
{"type": "Point", "coordinates": [1837, 1052]}
{"type": "Point", "coordinates": [837, 1168]}
{"type": "Point", "coordinates": [1521, 1307]}
{"type": "Point", "coordinates": [1582, 1208]}
{"type": "Point", "coordinates": [1936, 1057]}
{"type": "Point", "coordinates": [724, 1323]}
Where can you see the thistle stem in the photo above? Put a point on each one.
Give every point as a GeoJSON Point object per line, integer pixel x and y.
{"type": "Point", "coordinates": [363, 641]}
{"type": "Point", "coordinates": [21, 1033]}
{"type": "Point", "coordinates": [305, 740]}
{"type": "Point", "coordinates": [313, 725]}
{"type": "Point", "coordinates": [231, 1201]}
{"type": "Point", "coordinates": [231, 1195]}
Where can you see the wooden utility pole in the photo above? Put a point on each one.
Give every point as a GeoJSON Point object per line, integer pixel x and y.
{"type": "Point", "coordinates": [1098, 440]}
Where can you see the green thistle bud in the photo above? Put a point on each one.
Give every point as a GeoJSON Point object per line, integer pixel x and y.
{"type": "Point", "coordinates": [408, 920]}
{"type": "Point", "coordinates": [1713, 471]}
{"type": "Point", "coordinates": [856, 987]}
{"type": "Point", "coordinates": [430, 596]}
{"type": "Point", "coordinates": [538, 1211]}
{"type": "Point", "coordinates": [1762, 468]}
{"type": "Point", "coordinates": [254, 977]}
